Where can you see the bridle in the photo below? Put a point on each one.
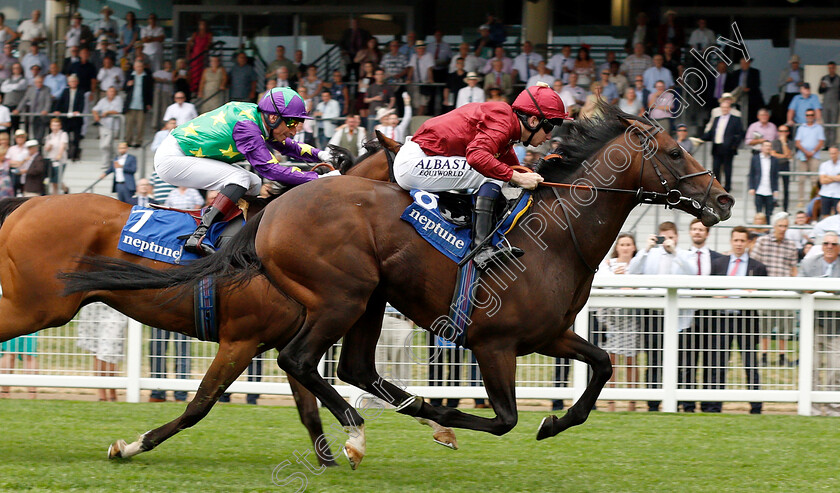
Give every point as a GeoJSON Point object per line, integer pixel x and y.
{"type": "Point", "coordinates": [670, 198]}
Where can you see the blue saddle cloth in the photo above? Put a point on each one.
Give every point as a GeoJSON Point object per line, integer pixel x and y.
{"type": "Point", "coordinates": [153, 234]}
{"type": "Point", "coordinates": [449, 239]}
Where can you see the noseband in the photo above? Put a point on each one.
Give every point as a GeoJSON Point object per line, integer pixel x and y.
{"type": "Point", "coordinates": [670, 198]}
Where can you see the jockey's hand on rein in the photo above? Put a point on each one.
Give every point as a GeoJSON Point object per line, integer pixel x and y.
{"type": "Point", "coordinates": [528, 181]}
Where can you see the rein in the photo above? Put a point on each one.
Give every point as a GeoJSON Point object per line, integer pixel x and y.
{"type": "Point", "coordinates": [671, 198]}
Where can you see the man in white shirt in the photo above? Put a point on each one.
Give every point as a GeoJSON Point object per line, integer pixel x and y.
{"type": "Point", "coordinates": [562, 64]}
{"type": "Point", "coordinates": [152, 38]}
{"type": "Point", "coordinates": [692, 329]}
{"type": "Point", "coordinates": [103, 113]}
{"type": "Point", "coordinates": [471, 93]}
{"type": "Point", "coordinates": [542, 75]}
{"type": "Point", "coordinates": [656, 73]}
{"type": "Point", "coordinates": [328, 110]}
{"type": "Point", "coordinates": [566, 96]}
{"type": "Point", "coordinates": [420, 68]}
{"type": "Point", "coordinates": [471, 62]}
{"type": "Point", "coordinates": [180, 110]}
{"type": "Point", "coordinates": [525, 63]}
{"type": "Point", "coordinates": [764, 179]}
{"type": "Point", "coordinates": [701, 37]}
{"type": "Point", "coordinates": [578, 93]}
{"type": "Point", "coordinates": [123, 166]}
{"type": "Point", "coordinates": [830, 181]}
{"type": "Point", "coordinates": [826, 330]}
{"type": "Point", "coordinates": [659, 257]}
{"type": "Point", "coordinates": [109, 75]}
{"type": "Point", "coordinates": [31, 31]}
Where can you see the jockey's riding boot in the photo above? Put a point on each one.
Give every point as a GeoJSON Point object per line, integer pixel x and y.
{"type": "Point", "coordinates": [222, 205]}
{"type": "Point", "coordinates": [483, 224]}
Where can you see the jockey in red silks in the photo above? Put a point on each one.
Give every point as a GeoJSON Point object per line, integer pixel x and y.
{"type": "Point", "coordinates": [200, 153]}
{"type": "Point", "coordinates": [472, 148]}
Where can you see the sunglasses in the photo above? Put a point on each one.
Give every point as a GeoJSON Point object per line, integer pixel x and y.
{"type": "Point", "coordinates": [831, 244]}
{"type": "Point", "coordinates": [291, 122]}
{"type": "Point", "coordinates": [547, 127]}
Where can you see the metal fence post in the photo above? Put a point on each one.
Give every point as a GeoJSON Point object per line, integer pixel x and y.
{"type": "Point", "coordinates": [133, 360]}
{"type": "Point", "coordinates": [581, 328]}
{"type": "Point", "coordinates": [670, 348]}
{"type": "Point", "coordinates": [806, 354]}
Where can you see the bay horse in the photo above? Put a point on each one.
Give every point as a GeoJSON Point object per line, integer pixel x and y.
{"type": "Point", "coordinates": [359, 255]}
{"type": "Point", "coordinates": [252, 320]}
{"type": "Point", "coordinates": [32, 295]}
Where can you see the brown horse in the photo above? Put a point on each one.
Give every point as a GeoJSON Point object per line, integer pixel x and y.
{"type": "Point", "coordinates": [32, 298]}
{"type": "Point", "coordinates": [358, 246]}
{"type": "Point", "coordinates": [32, 295]}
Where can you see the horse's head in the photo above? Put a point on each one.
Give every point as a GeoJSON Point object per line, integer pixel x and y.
{"type": "Point", "coordinates": [390, 144]}
{"type": "Point", "coordinates": [672, 176]}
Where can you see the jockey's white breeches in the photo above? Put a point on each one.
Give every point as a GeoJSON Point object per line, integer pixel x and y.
{"type": "Point", "coordinates": [413, 169]}
{"type": "Point", "coordinates": [178, 169]}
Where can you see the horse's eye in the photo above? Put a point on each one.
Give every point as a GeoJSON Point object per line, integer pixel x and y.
{"type": "Point", "coordinates": [675, 154]}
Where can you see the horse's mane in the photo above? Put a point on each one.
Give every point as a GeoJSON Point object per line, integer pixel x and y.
{"type": "Point", "coordinates": [583, 138]}
{"type": "Point", "coordinates": [372, 146]}
{"type": "Point", "coordinates": [9, 205]}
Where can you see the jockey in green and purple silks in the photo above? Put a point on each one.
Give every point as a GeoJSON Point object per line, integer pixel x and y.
{"type": "Point", "coordinates": [200, 153]}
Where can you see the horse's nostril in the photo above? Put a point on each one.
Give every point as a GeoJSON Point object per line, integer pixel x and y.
{"type": "Point", "coordinates": [725, 200]}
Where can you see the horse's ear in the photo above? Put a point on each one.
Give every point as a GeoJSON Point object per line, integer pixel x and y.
{"type": "Point", "coordinates": [390, 144]}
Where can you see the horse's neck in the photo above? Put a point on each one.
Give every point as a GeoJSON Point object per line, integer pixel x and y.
{"type": "Point", "coordinates": [595, 221]}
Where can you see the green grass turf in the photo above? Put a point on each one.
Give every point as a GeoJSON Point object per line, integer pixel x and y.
{"type": "Point", "coordinates": [61, 445]}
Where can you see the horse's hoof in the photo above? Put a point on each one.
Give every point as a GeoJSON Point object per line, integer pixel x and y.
{"type": "Point", "coordinates": [447, 439]}
{"type": "Point", "coordinates": [545, 429]}
{"type": "Point", "coordinates": [115, 450]}
{"type": "Point", "coordinates": [353, 456]}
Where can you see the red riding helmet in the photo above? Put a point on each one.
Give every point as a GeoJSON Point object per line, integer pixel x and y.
{"type": "Point", "coordinates": [541, 101]}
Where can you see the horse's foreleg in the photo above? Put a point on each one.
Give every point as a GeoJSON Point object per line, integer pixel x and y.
{"type": "Point", "coordinates": [308, 409]}
{"type": "Point", "coordinates": [571, 345]}
{"type": "Point", "coordinates": [357, 366]}
{"type": "Point", "coordinates": [230, 361]}
{"type": "Point", "coordinates": [300, 360]}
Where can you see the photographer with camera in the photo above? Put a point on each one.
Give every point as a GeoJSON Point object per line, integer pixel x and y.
{"type": "Point", "coordinates": [659, 257]}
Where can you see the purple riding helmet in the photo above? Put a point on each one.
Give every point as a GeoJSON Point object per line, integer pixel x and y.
{"type": "Point", "coordinates": [283, 101]}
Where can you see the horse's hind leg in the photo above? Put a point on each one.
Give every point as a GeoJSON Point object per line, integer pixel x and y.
{"type": "Point", "coordinates": [571, 345]}
{"type": "Point", "coordinates": [357, 366]}
{"type": "Point", "coordinates": [308, 409]}
{"type": "Point", "coordinates": [300, 360]}
{"type": "Point", "coordinates": [230, 361]}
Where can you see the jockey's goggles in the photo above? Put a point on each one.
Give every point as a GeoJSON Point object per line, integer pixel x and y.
{"type": "Point", "coordinates": [292, 122]}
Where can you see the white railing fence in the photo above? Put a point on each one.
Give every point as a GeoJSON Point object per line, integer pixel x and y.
{"type": "Point", "coordinates": [675, 338]}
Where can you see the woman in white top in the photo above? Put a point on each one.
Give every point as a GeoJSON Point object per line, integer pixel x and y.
{"type": "Point", "coordinates": [630, 103]}
{"type": "Point", "coordinates": [620, 324]}
{"type": "Point", "coordinates": [390, 124]}
{"type": "Point", "coordinates": [7, 34]}
{"type": "Point", "coordinates": [55, 149]}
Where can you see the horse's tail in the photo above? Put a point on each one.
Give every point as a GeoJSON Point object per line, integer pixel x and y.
{"type": "Point", "coordinates": [235, 263]}
{"type": "Point", "coordinates": [7, 206]}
